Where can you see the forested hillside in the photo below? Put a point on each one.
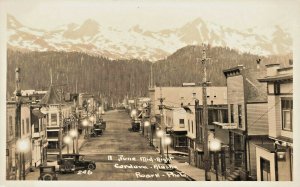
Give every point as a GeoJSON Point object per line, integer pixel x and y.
{"type": "Point", "coordinates": [118, 78]}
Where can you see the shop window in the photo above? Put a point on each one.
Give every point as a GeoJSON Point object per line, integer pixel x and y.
{"type": "Point", "coordinates": [265, 170]}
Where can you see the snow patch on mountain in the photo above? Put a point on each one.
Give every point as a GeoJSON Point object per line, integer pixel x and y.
{"type": "Point", "coordinates": [93, 38]}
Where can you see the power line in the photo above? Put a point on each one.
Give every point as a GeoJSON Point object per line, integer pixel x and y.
{"type": "Point", "coordinates": [269, 110]}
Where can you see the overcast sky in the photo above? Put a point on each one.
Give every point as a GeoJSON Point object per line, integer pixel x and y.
{"type": "Point", "coordinates": [48, 14]}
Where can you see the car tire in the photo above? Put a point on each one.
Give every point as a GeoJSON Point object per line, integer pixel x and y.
{"type": "Point", "coordinates": [47, 177]}
{"type": "Point", "coordinates": [91, 167]}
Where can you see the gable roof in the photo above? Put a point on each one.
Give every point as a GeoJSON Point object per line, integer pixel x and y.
{"type": "Point", "coordinates": [51, 97]}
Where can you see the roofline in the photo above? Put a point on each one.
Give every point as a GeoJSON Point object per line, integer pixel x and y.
{"type": "Point", "coordinates": [285, 68]}
{"type": "Point", "coordinates": [270, 65]}
{"type": "Point", "coordinates": [276, 78]}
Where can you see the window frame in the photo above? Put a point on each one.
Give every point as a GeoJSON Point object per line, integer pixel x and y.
{"type": "Point", "coordinates": [284, 110]}
{"type": "Point", "coordinates": [231, 113]}
{"type": "Point", "coordinates": [240, 116]}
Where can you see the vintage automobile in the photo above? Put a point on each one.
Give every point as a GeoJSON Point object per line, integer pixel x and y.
{"type": "Point", "coordinates": [79, 161]}
{"type": "Point", "coordinates": [67, 165]}
{"type": "Point", "coordinates": [47, 173]}
{"type": "Point", "coordinates": [102, 124]}
{"type": "Point", "coordinates": [135, 125]}
{"type": "Point", "coordinates": [97, 130]}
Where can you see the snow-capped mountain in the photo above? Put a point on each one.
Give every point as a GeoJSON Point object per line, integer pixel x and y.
{"type": "Point", "coordinates": [93, 38]}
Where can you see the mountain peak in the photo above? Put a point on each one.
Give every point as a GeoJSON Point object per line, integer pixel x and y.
{"type": "Point", "coordinates": [12, 22]}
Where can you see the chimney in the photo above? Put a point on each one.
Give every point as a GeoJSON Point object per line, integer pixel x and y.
{"type": "Point", "coordinates": [272, 69]}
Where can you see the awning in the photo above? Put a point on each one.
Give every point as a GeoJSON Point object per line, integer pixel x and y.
{"type": "Point", "coordinates": [226, 125]}
{"type": "Point", "coordinates": [38, 113]}
{"type": "Point", "coordinates": [52, 139]}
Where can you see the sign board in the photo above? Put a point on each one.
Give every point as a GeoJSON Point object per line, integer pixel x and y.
{"type": "Point", "coordinates": [131, 101]}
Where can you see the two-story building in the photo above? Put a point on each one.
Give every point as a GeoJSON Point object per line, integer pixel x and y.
{"type": "Point", "coordinates": [14, 160]}
{"type": "Point", "coordinates": [177, 97]}
{"type": "Point", "coordinates": [247, 109]}
{"type": "Point", "coordinates": [57, 110]}
{"type": "Point", "coordinates": [176, 120]}
{"type": "Point", "coordinates": [39, 136]}
{"type": "Point", "coordinates": [216, 112]}
{"type": "Point", "coordinates": [274, 161]}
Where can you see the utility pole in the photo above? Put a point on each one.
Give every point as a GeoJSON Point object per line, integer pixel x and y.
{"type": "Point", "coordinates": [205, 117]}
{"type": "Point", "coordinates": [162, 124]}
{"type": "Point", "coordinates": [18, 121]}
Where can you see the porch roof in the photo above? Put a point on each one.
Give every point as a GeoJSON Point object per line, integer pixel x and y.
{"type": "Point", "coordinates": [270, 147]}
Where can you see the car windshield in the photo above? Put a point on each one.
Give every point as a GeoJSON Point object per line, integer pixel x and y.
{"type": "Point", "coordinates": [81, 157]}
{"type": "Point", "coordinates": [47, 170]}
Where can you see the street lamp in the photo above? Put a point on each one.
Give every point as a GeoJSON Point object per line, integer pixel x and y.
{"type": "Point", "coordinates": [215, 146]}
{"type": "Point", "coordinates": [92, 119]}
{"type": "Point", "coordinates": [160, 134]}
{"type": "Point", "coordinates": [23, 147]}
{"type": "Point", "coordinates": [168, 142]}
{"type": "Point", "coordinates": [133, 113]}
{"type": "Point", "coordinates": [85, 123]}
{"type": "Point", "coordinates": [67, 140]}
{"type": "Point", "coordinates": [147, 124]}
{"type": "Point", "coordinates": [73, 134]}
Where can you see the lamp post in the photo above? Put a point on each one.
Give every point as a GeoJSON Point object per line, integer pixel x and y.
{"type": "Point", "coordinates": [160, 134]}
{"type": "Point", "coordinates": [215, 147]}
{"type": "Point", "coordinates": [168, 142]}
{"type": "Point", "coordinates": [73, 134]}
{"type": "Point", "coordinates": [23, 146]}
{"type": "Point", "coordinates": [85, 123]}
{"type": "Point", "coordinates": [147, 125]}
{"type": "Point", "coordinates": [133, 113]}
{"type": "Point", "coordinates": [67, 140]}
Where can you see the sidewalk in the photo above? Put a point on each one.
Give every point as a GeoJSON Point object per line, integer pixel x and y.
{"type": "Point", "coordinates": [36, 173]}
{"type": "Point", "coordinates": [192, 172]}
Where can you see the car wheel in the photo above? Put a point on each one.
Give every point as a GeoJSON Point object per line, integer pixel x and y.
{"type": "Point", "coordinates": [47, 177]}
{"type": "Point", "coordinates": [91, 167]}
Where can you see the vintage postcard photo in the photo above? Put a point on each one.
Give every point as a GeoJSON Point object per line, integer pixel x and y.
{"type": "Point", "coordinates": [148, 91]}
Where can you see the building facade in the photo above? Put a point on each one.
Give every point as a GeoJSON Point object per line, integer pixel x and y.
{"type": "Point", "coordinates": [274, 161]}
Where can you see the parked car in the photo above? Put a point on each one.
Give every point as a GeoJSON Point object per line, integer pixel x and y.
{"type": "Point", "coordinates": [79, 161]}
{"type": "Point", "coordinates": [102, 124]}
{"type": "Point", "coordinates": [136, 125]}
{"type": "Point", "coordinates": [47, 173]}
{"type": "Point", "coordinates": [67, 165]}
{"type": "Point", "coordinates": [97, 129]}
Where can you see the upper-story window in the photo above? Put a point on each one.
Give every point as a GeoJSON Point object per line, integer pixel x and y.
{"type": "Point", "coordinates": [189, 125]}
{"type": "Point", "coordinates": [23, 127]}
{"type": "Point", "coordinates": [287, 113]}
{"type": "Point", "coordinates": [240, 116]}
{"type": "Point", "coordinates": [53, 120]}
{"type": "Point", "coordinates": [231, 113]}
{"type": "Point", "coordinates": [276, 88]}
{"type": "Point", "coordinates": [10, 123]}
{"type": "Point", "coordinates": [181, 123]}
{"type": "Point", "coordinates": [192, 126]}
{"type": "Point", "coordinates": [27, 126]}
